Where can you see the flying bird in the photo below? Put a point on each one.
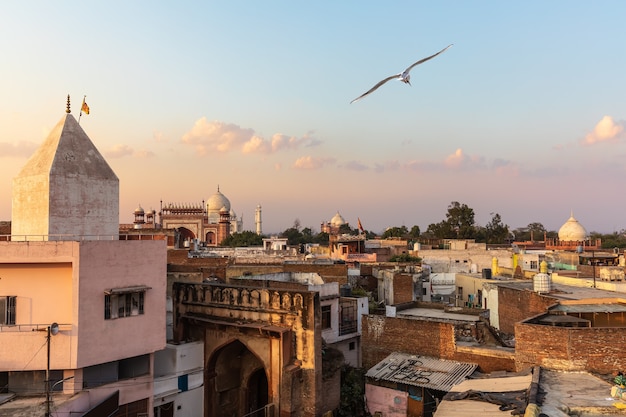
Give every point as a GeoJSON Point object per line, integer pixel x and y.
{"type": "Point", "coordinates": [404, 76]}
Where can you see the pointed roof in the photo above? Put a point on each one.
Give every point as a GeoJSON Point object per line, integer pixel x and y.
{"type": "Point", "coordinates": [68, 150]}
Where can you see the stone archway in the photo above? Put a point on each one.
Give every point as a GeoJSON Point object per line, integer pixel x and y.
{"type": "Point", "coordinates": [236, 382]}
{"type": "Point", "coordinates": [185, 238]}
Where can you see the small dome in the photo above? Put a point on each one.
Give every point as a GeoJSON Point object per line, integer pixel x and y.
{"type": "Point", "coordinates": [572, 231]}
{"type": "Point", "coordinates": [337, 220]}
{"type": "Point", "coordinates": [139, 210]}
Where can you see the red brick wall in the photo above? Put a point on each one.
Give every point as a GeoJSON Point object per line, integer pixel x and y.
{"type": "Point", "coordinates": [599, 350]}
{"type": "Point", "coordinates": [515, 305]}
{"type": "Point", "coordinates": [402, 288]}
{"type": "Point", "coordinates": [383, 335]}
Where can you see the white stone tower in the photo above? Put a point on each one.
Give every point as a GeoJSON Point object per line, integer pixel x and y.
{"type": "Point", "coordinates": [66, 190]}
{"type": "Point", "coordinates": [257, 220]}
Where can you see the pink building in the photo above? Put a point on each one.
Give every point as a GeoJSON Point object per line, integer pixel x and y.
{"type": "Point", "coordinates": [81, 312]}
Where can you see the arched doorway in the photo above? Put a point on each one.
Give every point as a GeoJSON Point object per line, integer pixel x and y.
{"type": "Point", "coordinates": [236, 382]}
{"type": "Point", "coordinates": [257, 393]}
{"type": "Point", "coordinates": [185, 237]}
{"type": "Point", "coordinates": [210, 238]}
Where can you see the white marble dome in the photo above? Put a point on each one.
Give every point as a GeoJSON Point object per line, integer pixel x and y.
{"type": "Point", "coordinates": [337, 220]}
{"type": "Point", "coordinates": [217, 201]}
{"type": "Point", "coordinates": [572, 231]}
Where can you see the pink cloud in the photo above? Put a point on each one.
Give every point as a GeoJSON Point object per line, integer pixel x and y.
{"type": "Point", "coordinates": [122, 150]}
{"type": "Point", "coordinates": [222, 137]}
{"type": "Point", "coordinates": [311, 163]}
{"type": "Point", "coordinates": [216, 136]}
{"type": "Point", "coordinates": [607, 130]}
{"type": "Point", "coordinates": [459, 160]}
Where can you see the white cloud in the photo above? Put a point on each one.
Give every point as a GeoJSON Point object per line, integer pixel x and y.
{"type": "Point", "coordinates": [606, 130]}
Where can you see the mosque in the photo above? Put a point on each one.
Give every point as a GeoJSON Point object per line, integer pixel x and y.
{"type": "Point", "coordinates": [209, 222]}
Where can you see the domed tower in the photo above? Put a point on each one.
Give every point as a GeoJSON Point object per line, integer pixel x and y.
{"type": "Point", "coordinates": [572, 231]}
{"type": "Point", "coordinates": [337, 221]}
{"type": "Point", "coordinates": [333, 226]}
{"type": "Point", "coordinates": [139, 218]}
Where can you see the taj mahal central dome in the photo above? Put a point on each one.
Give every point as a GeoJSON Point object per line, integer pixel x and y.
{"type": "Point", "coordinates": [215, 204]}
{"type": "Point", "coordinates": [572, 231]}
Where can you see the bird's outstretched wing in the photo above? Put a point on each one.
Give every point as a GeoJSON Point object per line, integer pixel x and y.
{"type": "Point", "coordinates": [426, 59]}
{"type": "Point", "coordinates": [371, 90]}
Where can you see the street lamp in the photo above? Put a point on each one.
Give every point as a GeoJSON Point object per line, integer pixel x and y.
{"type": "Point", "coordinates": [53, 329]}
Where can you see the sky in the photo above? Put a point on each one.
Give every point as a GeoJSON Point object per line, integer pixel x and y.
{"type": "Point", "coordinates": [523, 116]}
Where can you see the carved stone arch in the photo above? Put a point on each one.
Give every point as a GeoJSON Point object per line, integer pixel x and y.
{"type": "Point", "coordinates": [287, 301]}
{"type": "Point", "coordinates": [265, 298]}
{"type": "Point", "coordinates": [245, 297]}
{"type": "Point", "coordinates": [298, 301]}
{"type": "Point", "coordinates": [275, 300]}
{"type": "Point", "coordinates": [237, 381]}
{"type": "Point", "coordinates": [255, 298]}
{"type": "Point", "coordinates": [226, 296]}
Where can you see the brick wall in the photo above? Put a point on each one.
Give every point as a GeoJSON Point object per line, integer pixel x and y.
{"type": "Point", "coordinates": [515, 305]}
{"type": "Point", "coordinates": [402, 288]}
{"type": "Point", "coordinates": [383, 335]}
{"type": "Point", "coordinates": [599, 350]}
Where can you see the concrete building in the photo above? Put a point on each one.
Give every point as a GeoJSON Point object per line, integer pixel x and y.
{"type": "Point", "coordinates": [265, 337]}
{"type": "Point", "coordinates": [83, 312]}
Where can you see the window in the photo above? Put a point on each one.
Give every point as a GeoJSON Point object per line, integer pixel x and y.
{"type": "Point", "coordinates": [7, 310]}
{"type": "Point", "coordinates": [326, 317]}
{"type": "Point", "coordinates": [533, 265]}
{"type": "Point", "coordinates": [124, 302]}
{"type": "Point", "coordinates": [351, 346]}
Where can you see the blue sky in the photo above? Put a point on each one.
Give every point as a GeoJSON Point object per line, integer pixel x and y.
{"type": "Point", "coordinates": [523, 116]}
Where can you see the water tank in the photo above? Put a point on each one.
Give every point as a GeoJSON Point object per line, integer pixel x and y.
{"type": "Point", "coordinates": [345, 290]}
{"type": "Point", "coordinates": [487, 273]}
{"type": "Point", "coordinates": [417, 246]}
{"type": "Point", "coordinates": [542, 283]}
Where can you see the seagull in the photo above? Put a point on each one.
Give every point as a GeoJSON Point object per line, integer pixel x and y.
{"type": "Point", "coordinates": [404, 76]}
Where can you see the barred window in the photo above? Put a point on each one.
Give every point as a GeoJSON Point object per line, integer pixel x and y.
{"type": "Point", "coordinates": [120, 303]}
{"type": "Point", "coordinates": [7, 310]}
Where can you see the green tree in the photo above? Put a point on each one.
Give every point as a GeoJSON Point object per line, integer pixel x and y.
{"type": "Point", "coordinates": [352, 397]}
{"type": "Point", "coordinates": [496, 231]}
{"type": "Point", "coordinates": [293, 235]}
{"type": "Point", "coordinates": [243, 239]}
{"type": "Point", "coordinates": [414, 233]}
{"type": "Point", "coordinates": [534, 231]}
{"type": "Point", "coordinates": [321, 238]}
{"type": "Point", "coordinates": [459, 223]}
{"type": "Point", "coordinates": [401, 231]}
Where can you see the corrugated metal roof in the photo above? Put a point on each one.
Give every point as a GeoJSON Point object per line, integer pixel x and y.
{"type": "Point", "coordinates": [421, 371]}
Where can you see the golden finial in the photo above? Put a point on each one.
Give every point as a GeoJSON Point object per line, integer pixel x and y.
{"type": "Point", "coordinates": [67, 109]}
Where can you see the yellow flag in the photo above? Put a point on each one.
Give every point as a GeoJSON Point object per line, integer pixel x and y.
{"type": "Point", "coordinates": [85, 107]}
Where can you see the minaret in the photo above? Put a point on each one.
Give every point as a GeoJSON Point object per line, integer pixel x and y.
{"type": "Point", "coordinates": [66, 189]}
{"type": "Point", "coordinates": [257, 220]}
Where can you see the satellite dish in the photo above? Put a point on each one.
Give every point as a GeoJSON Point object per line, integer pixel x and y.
{"type": "Point", "coordinates": [54, 329]}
